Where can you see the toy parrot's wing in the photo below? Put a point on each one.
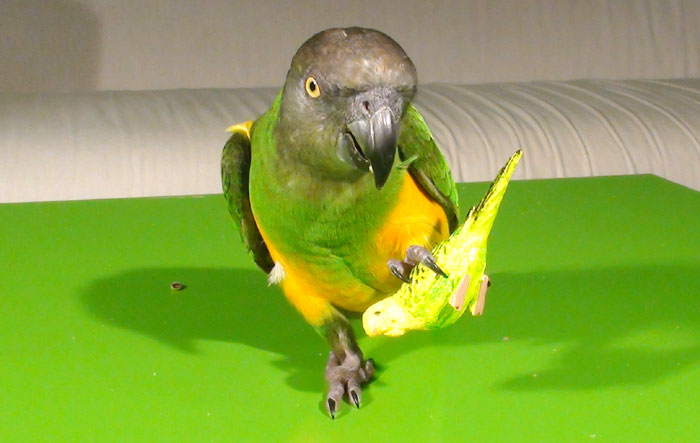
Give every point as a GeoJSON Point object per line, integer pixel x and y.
{"type": "Point", "coordinates": [235, 168]}
{"type": "Point", "coordinates": [427, 164]}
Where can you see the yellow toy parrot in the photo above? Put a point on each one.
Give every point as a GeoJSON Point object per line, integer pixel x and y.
{"type": "Point", "coordinates": [431, 302]}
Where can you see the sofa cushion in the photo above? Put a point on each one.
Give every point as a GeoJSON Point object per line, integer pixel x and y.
{"type": "Point", "coordinates": [569, 129]}
{"type": "Point", "coordinates": [153, 143]}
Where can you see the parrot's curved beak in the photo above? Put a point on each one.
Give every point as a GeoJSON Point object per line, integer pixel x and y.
{"type": "Point", "coordinates": [375, 133]}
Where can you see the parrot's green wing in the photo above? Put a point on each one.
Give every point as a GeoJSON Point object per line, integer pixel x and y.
{"type": "Point", "coordinates": [427, 164]}
{"type": "Point", "coordinates": [235, 168]}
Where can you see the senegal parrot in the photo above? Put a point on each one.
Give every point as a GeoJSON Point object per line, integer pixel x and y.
{"type": "Point", "coordinates": [339, 189]}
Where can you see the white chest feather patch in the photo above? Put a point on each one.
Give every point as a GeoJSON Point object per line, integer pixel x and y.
{"type": "Point", "coordinates": [276, 275]}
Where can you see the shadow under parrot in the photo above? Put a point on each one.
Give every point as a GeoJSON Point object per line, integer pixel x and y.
{"type": "Point", "coordinates": [217, 304]}
{"type": "Point", "coordinates": [610, 326]}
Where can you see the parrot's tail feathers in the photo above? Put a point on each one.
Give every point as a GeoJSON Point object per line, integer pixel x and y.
{"type": "Point", "coordinates": [485, 212]}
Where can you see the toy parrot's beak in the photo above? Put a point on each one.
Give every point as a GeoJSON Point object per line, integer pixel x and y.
{"type": "Point", "coordinates": [375, 131]}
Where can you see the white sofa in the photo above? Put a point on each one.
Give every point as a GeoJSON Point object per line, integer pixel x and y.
{"type": "Point", "coordinates": [585, 88]}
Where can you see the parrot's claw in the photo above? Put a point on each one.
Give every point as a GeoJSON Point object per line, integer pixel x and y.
{"type": "Point", "coordinates": [355, 398]}
{"type": "Point", "coordinates": [399, 269]}
{"type": "Point", "coordinates": [346, 377]}
{"type": "Point", "coordinates": [414, 254]}
{"type": "Point", "coordinates": [418, 254]}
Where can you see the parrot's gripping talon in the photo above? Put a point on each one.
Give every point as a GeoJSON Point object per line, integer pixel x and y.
{"type": "Point", "coordinates": [330, 405]}
{"type": "Point", "coordinates": [430, 263]}
{"type": "Point", "coordinates": [336, 388]}
{"type": "Point", "coordinates": [398, 268]}
{"type": "Point", "coordinates": [355, 395]}
{"type": "Point", "coordinates": [346, 377]}
{"type": "Point", "coordinates": [418, 254]}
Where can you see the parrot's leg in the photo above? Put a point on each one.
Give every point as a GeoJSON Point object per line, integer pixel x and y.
{"type": "Point", "coordinates": [346, 371]}
{"type": "Point", "coordinates": [414, 254]}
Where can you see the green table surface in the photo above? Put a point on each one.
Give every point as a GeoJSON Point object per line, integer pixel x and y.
{"type": "Point", "coordinates": [591, 328]}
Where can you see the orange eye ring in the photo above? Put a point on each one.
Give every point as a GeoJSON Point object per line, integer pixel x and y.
{"type": "Point", "coordinates": [312, 87]}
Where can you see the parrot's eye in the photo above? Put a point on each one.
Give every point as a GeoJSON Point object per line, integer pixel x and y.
{"type": "Point", "coordinates": [312, 87]}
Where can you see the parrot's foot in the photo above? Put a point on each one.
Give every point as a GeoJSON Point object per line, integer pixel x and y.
{"type": "Point", "coordinates": [414, 254]}
{"type": "Point", "coordinates": [346, 377]}
{"type": "Point", "coordinates": [399, 269]}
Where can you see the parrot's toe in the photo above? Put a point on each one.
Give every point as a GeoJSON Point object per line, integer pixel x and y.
{"type": "Point", "coordinates": [418, 254]}
{"type": "Point", "coordinates": [399, 269]}
{"type": "Point", "coordinates": [346, 377]}
{"type": "Point", "coordinates": [414, 254]}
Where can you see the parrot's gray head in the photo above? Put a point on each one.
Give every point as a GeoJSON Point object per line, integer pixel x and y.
{"type": "Point", "coordinates": [343, 100]}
